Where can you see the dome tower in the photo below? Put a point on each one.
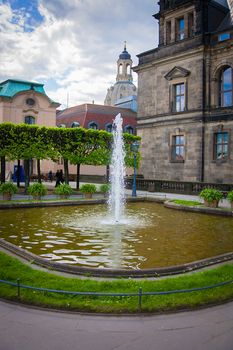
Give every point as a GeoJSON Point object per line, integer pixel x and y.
{"type": "Point", "coordinates": [124, 86]}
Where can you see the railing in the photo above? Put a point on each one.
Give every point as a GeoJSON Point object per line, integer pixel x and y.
{"type": "Point", "coordinates": [193, 188]}
{"type": "Point", "coordinates": [138, 294]}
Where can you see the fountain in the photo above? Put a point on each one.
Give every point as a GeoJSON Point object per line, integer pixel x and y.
{"type": "Point", "coordinates": [135, 236]}
{"type": "Point", "coordinates": [116, 200]}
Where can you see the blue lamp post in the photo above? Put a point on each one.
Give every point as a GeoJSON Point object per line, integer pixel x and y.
{"type": "Point", "coordinates": [134, 149]}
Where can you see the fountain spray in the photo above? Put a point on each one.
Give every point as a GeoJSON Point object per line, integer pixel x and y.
{"type": "Point", "coordinates": [117, 172]}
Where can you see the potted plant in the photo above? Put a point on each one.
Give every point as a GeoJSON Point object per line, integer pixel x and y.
{"type": "Point", "coordinates": [211, 197]}
{"type": "Point", "coordinates": [230, 198]}
{"type": "Point", "coordinates": [7, 189]}
{"type": "Point", "coordinates": [88, 190]}
{"type": "Point", "coordinates": [105, 189]}
{"type": "Point", "coordinates": [63, 190]}
{"type": "Point", "coordinates": [37, 190]}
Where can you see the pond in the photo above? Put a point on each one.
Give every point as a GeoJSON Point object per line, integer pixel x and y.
{"type": "Point", "coordinates": [151, 236]}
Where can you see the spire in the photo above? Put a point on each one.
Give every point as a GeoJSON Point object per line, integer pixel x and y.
{"type": "Point", "coordinates": [125, 46]}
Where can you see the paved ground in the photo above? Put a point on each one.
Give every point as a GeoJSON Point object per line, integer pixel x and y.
{"type": "Point", "coordinates": [222, 203]}
{"type": "Point", "coordinates": [23, 328]}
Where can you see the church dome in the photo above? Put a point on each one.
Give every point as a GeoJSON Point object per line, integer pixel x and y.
{"type": "Point", "coordinates": [124, 55]}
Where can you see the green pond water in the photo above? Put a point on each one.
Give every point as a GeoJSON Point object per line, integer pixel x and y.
{"type": "Point", "coordinates": [150, 235]}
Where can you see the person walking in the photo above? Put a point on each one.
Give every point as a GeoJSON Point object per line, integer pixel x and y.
{"type": "Point", "coordinates": [58, 177]}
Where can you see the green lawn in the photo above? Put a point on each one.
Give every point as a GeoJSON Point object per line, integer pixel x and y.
{"type": "Point", "coordinates": [12, 268]}
{"type": "Point", "coordinates": [187, 203]}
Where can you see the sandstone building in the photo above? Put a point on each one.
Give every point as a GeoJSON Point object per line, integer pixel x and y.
{"type": "Point", "coordinates": [185, 94]}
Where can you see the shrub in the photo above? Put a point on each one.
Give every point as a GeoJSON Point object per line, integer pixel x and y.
{"type": "Point", "coordinates": [88, 188]}
{"type": "Point", "coordinates": [230, 196]}
{"type": "Point", "coordinates": [8, 187]}
{"type": "Point", "coordinates": [37, 189]}
{"type": "Point", "coordinates": [63, 189]}
{"type": "Point", "coordinates": [210, 194]}
{"type": "Point", "coordinates": [105, 188]}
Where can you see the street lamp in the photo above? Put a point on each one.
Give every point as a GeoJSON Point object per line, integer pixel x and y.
{"type": "Point", "coordinates": [134, 149]}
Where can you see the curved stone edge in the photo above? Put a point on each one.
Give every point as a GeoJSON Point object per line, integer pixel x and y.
{"type": "Point", "coordinates": [198, 209]}
{"type": "Point", "coordinates": [123, 273]}
{"type": "Point", "coordinates": [17, 205]}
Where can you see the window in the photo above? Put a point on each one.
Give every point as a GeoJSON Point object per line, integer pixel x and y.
{"type": "Point", "coordinates": [29, 120]}
{"type": "Point", "coordinates": [30, 102]}
{"type": "Point", "coordinates": [177, 154]}
{"type": "Point", "coordinates": [180, 29]}
{"type": "Point", "coordinates": [226, 87]}
{"type": "Point", "coordinates": [93, 125]}
{"type": "Point", "coordinates": [108, 127]}
{"type": "Point", "coordinates": [129, 129]}
{"type": "Point", "coordinates": [75, 125]}
{"type": "Point", "coordinates": [221, 145]}
{"type": "Point", "coordinates": [179, 97]}
{"type": "Point", "coordinates": [224, 36]}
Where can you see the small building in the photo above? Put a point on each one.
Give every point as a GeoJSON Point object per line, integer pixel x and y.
{"type": "Point", "coordinates": [26, 102]}
{"type": "Point", "coordinates": [97, 117]}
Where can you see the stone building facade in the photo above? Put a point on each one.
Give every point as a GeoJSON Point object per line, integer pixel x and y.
{"type": "Point", "coordinates": [185, 94]}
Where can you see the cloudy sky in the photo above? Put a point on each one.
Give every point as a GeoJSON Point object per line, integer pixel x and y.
{"type": "Point", "coordinates": [72, 46]}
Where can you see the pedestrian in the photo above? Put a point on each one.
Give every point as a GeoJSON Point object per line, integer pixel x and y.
{"type": "Point", "coordinates": [57, 175]}
{"type": "Point", "coordinates": [61, 176]}
{"type": "Point", "coordinates": [50, 176]}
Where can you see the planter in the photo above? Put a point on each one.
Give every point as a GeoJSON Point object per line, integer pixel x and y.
{"type": "Point", "coordinates": [212, 204]}
{"type": "Point", "coordinates": [88, 195]}
{"type": "Point", "coordinates": [6, 196]}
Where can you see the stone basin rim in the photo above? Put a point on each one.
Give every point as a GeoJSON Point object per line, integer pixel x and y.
{"type": "Point", "coordinates": [117, 273]}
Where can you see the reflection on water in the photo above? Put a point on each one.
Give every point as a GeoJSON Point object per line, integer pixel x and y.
{"type": "Point", "coordinates": [148, 236]}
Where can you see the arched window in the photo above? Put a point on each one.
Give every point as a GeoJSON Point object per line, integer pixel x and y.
{"type": "Point", "coordinates": [108, 127]}
{"type": "Point", "coordinates": [128, 69]}
{"type": "Point", "coordinates": [29, 119]}
{"type": "Point", "coordinates": [226, 80]}
{"type": "Point", "coordinates": [93, 125]}
{"type": "Point", "coordinates": [129, 129]}
{"type": "Point", "coordinates": [120, 69]}
{"type": "Point", "coordinates": [75, 125]}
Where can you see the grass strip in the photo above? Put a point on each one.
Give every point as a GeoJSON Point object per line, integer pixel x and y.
{"type": "Point", "coordinates": [12, 268]}
{"type": "Point", "coordinates": [186, 202]}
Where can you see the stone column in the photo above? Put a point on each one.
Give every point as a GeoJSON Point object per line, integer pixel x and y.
{"type": "Point", "coordinates": [173, 30]}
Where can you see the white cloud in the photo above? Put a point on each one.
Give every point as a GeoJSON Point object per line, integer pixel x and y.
{"type": "Point", "coordinates": [76, 46]}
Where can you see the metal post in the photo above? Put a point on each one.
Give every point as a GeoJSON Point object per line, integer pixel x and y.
{"type": "Point", "coordinates": [140, 299]}
{"type": "Point", "coordinates": [134, 191]}
{"type": "Point", "coordinates": [18, 287]}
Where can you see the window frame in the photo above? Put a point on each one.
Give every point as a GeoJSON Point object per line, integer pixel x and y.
{"type": "Point", "coordinates": [180, 33]}
{"type": "Point", "coordinates": [107, 125]}
{"type": "Point", "coordinates": [216, 144]}
{"type": "Point", "coordinates": [174, 145]}
{"type": "Point", "coordinates": [30, 118]}
{"type": "Point", "coordinates": [222, 91]}
{"type": "Point", "coordinates": [129, 127]}
{"type": "Point", "coordinates": [175, 96]}
{"type": "Point", "coordinates": [92, 123]}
